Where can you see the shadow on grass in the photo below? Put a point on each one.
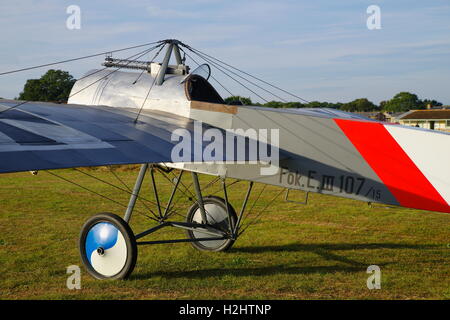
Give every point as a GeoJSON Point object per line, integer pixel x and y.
{"type": "Point", "coordinates": [245, 272]}
{"type": "Point", "coordinates": [331, 247]}
{"type": "Point", "coordinates": [324, 250]}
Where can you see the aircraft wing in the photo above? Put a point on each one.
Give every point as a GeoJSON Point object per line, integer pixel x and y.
{"type": "Point", "coordinates": [346, 155]}
{"type": "Point", "coordinates": [40, 136]}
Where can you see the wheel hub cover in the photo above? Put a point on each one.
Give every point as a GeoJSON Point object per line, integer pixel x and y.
{"type": "Point", "coordinates": [106, 236]}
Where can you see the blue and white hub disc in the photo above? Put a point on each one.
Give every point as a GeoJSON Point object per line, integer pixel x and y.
{"type": "Point", "coordinates": [106, 249]}
{"type": "Point", "coordinates": [108, 246]}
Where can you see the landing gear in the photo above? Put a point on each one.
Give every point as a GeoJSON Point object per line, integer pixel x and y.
{"type": "Point", "coordinates": [217, 217]}
{"type": "Point", "coordinates": [108, 247]}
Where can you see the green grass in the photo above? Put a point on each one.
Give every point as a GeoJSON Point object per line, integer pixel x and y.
{"type": "Point", "coordinates": [317, 251]}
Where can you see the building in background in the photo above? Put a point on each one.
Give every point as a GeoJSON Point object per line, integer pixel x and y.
{"type": "Point", "coordinates": [393, 117]}
{"type": "Point", "coordinates": [434, 119]}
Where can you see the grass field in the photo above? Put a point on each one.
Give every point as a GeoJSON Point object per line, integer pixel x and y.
{"type": "Point", "coordinates": [318, 251]}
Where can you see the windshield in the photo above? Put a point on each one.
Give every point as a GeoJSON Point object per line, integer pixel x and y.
{"type": "Point", "coordinates": [203, 71]}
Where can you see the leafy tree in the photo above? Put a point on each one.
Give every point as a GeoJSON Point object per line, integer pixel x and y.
{"type": "Point", "coordinates": [274, 104]}
{"type": "Point", "coordinates": [432, 103]}
{"type": "Point", "coordinates": [402, 102]}
{"type": "Point", "coordinates": [316, 104]}
{"type": "Point", "coordinates": [53, 86]}
{"type": "Point", "coordinates": [359, 105]}
{"type": "Point", "coordinates": [293, 105]}
{"type": "Point", "coordinates": [238, 100]}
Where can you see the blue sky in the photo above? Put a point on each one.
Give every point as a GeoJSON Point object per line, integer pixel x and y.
{"type": "Point", "coordinates": [320, 50]}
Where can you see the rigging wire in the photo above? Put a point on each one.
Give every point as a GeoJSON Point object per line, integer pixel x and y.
{"type": "Point", "coordinates": [246, 73]}
{"type": "Point", "coordinates": [149, 62]}
{"type": "Point", "coordinates": [140, 75]}
{"type": "Point", "coordinates": [261, 212]}
{"type": "Point", "coordinates": [236, 74]}
{"type": "Point", "coordinates": [76, 59]}
{"type": "Point", "coordinates": [212, 77]}
{"type": "Point", "coordinates": [254, 203]}
{"type": "Point", "coordinates": [151, 86]}
{"type": "Point", "coordinates": [139, 55]}
{"type": "Point", "coordinates": [321, 151]}
{"type": "Point", "coordinates": [119, 188]}
{"type": "Point", "coordinates": [141, 199]}
{"type": "Point", "coordinates": [92, 191]}
{"type": "Point", "coordinates": [100, 70]}
{"type": "Point", "coordinates": [218, 67]}
{"type": "Point", "coordinates": [133, 58]}
{"type": "Point", "coordinates": [190, 198]}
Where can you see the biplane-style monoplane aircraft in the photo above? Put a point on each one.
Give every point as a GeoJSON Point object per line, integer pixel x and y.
{"type": "Point", "coordinates": [172, 120]}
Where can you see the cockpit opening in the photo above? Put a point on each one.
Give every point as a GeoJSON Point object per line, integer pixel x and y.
{"type": "Point", "coordinates": [199, 89]}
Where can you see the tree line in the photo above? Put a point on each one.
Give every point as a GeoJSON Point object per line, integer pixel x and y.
{"type": "Point", "coordinates": [401, 102]}
{"type": "Point", "coordinates": [55, 86]}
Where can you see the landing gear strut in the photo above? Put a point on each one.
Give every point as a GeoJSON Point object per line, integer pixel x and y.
{"type": "Point", "coordinates": [108, 246]}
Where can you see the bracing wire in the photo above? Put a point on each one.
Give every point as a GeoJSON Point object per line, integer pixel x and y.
{"type": "Point", "coordinates": [256, 219]}
{"type": "Point", "coordinates": [119, 188]}
{"type": "Point", "coordinates": [202, 55]}
{"type": "Point", "coordinates": [246, 73]}
{"type": "Point", "coordinates": [243, 78]}
{"type": "Point", "coordinates": [223, 67]}
{"type": "Point", "coordinates": [140, 198]}
{"type": "Point", "coordinates": [76, 59]}
{"type": "Point", "coordinates": [134, 57]}
{"type": "Point", "coordinates": [218, 67]}
{"type": "Point", "coordinates": [131, 59]}
{"type": "Point", "coordinates": [91, 191]}
{"type": "Point", "coordinates": [151, 86]}
{"type": "Point", "coordinates": [212, 77]}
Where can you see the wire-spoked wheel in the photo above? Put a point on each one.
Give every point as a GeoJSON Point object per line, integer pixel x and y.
{"type": "Point", "coordinates": [217, 217]}
{"type": "Point", "coordinates": [108, 247]}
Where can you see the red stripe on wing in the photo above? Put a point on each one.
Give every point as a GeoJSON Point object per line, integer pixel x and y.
{"type": "Point", "coordinates": [392, 165]}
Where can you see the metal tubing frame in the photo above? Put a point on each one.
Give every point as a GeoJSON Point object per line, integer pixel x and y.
{"type": "Point", "coordinates": [155, 192]}
{"type": "Point", "coordinates": [176, 53]}
{"type": "Point", "coordinates": [241, 214]}
{"type": "Point", "coordinates": [230, 221]}
{"type": "Point", "coordinates": [182, 225]}
{"type": "Point", "coordinates": [165, 63]}
{"type": "Point", "coordinates": [178, 240]}
{"type": "Point", "coordinates": [215, 233]}
{"type": "Point", "coordinates": [198, 193]}
{"type": "Point", "coordinates": [175, 187]}
{"type": "Point", "coordinates": [135, 193]}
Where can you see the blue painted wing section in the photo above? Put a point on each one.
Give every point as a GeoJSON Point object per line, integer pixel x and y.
{"type": "Point", "coordinates": [40, 136]}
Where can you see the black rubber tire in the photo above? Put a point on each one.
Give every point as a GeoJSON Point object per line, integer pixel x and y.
{"type": "Point", "coordinates": [128, 236]}
{"type": "Point", "coordinates": [190, 215]}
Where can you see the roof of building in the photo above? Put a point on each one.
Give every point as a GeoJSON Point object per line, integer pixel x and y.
{"type": "Point", "coordinates": [427, 114]}
{"type": "Point", "coordinates": [393, 114]}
